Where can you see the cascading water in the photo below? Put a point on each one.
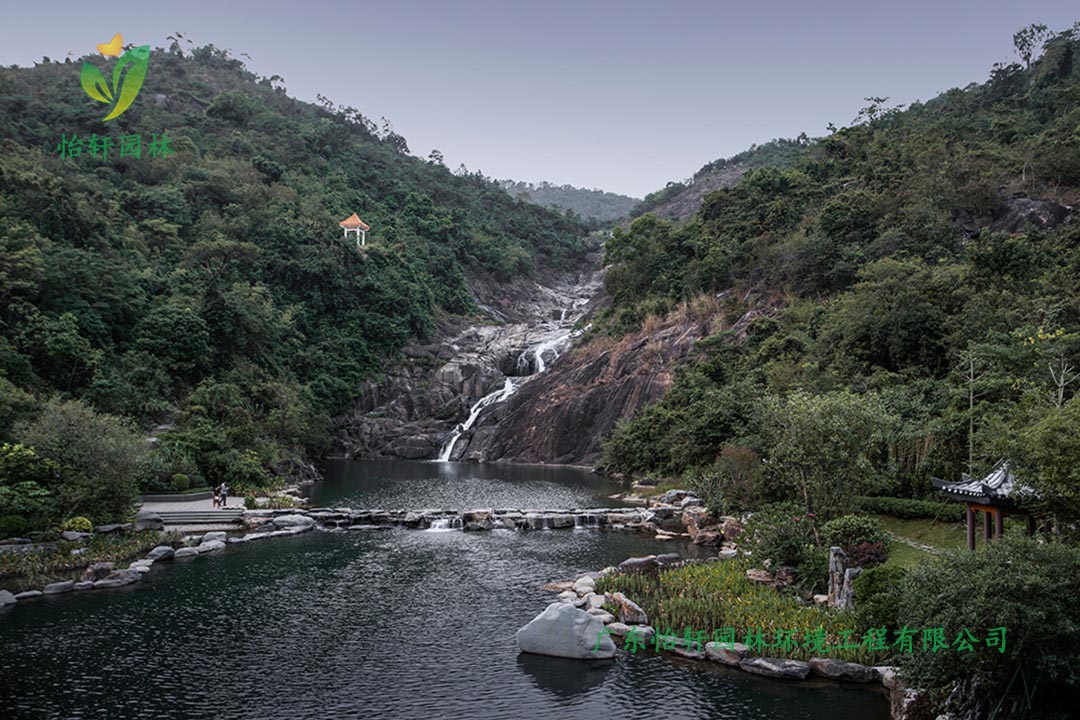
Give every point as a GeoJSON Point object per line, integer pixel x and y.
{"type": "Point", "coordinates": [490, 399]}
{"type": "Point", "coordinates": [445, 523]}
{"type": "Point", "coordinates": [532, 358]}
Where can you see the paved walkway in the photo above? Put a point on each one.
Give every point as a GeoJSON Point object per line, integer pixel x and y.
{"type": "Point", "coordinates": [234, 503]}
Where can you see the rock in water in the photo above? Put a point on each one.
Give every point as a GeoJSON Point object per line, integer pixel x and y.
{"type": "Point", "coordinates": [296, 520]}
{"type": "Point", "coordinates": [7, 598]}
{"type": "Point", "coordinates": [564, 631]}
{"type": "Point", "coordinates": [161, 552]}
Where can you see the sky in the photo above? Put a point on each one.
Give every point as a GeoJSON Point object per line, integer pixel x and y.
{"type": "Point", "coordinates": [622, 96]}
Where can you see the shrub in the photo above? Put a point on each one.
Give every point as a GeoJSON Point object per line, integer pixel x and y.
{"type": "Point", "coordinates": [13, 526]}
{"type": "Point", "coordinates": [782, 533]}
{"type": "Point", "coordinates": [877, 597]}
{"type": "Point", "coordinates": [813, 570]}
{"type": "Point", "coordinates": [250, 502]}
{"type": "Point", "coordinates": [1027, 586]}
{"type": "Point", "coordinates": [181, 482]}
{"type": "Point", "coordinates": [78, 524]}
{"type": "Point", "coordinates": [867, 554]}
{"type": "Point", "coordinates": [281, 502]}
{"type": "Point", "coordinates": [852, 530]}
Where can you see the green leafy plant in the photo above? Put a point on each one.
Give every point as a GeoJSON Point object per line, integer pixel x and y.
{"type": "Point", "coordinates": [851, 530]}
{"type": "Point", "coordinates": [78, 524]}
{"type": "Point", "coordinates": [181, 482]}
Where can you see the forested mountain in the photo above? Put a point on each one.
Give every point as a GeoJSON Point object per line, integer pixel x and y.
{"type": "Point", "coordinates": [206, 282]}
{"type": "Point", "coordinates": [678, 200]}
{"type": "Point", "coordinates": [909, 281]}
{"type": "Point", "coordinates": [595, 204]}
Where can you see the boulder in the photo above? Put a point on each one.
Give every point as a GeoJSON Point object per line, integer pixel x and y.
{"type": "Point", "coordinates": [673, 496]}
{"type": "Point", "coordinates": [115, 529]}
{"type": "Point", "coordinates": [638, 564]}
{"type": "Point", "coordinates": [7, 598]}
{"type": "Point", "coordinates": [161, 552]}
{"type": "Point", "coordinates": [80, 586]}
{"type": "Point", "coordinates": [562, 630]}
{"type": "Point", "coordinates": [618, 629]}
{"type": "Point", "coordinates": [821, 600]}
{"type": "Point", "coordinates": [691, 501]}
{"type": "Point", "coordinates": [186, 552]}
{"type": "Point", "coordinates": [840, 670]}
{"type": "Point", "coordinates": [217, 535]}
{"type": "Point", "coordinates": [691, 652]}
{"type": "Point", "coordinates": [558, 587]}
{"type": "Point", "coordinates": [476, 520]}
{"type": "Point", "coordinates": [627, 611]}
{"type": "Point", "coordinates": [1018, 213]}
{"type": "Point", "coordinates": [584, 585]}
{"type": "Point", "coordinates": [72, 536]}
{"type": "Point", "coordinates": [728, 554]}
{"type": "Point", "coordinates": [604, 615]}
{"type": "Point", "coordinates": [59, 587]}
{"type": "Point", "coordinates": [593, 601]}
{"type": "Point", "coordinates": [726, 653]}
{"type": "Point", "coordinates": [210, 546]}
{"type": "Point", "coordinates": [294, 520]}
{"type": "Point", "coordinates": [28, 595]}
{"type": "Point", "coordinates": [146, 520]}
{"type": "Point", "coordinates": [97, 571]}
{"type": "Point", "coordinates": [709, 537]}
{"type": "Point", "coordinates": [666, 559]}
{"type": "Point", "coordinates": [888, 675]}
{"type": "Point", "coordinates": [567, 596]}
{"type": "Point", "coordinates": [730, 528]}
{"type": "Point", "coordinates": [776, 668]}
{"type": "Point", "coordinates": [118, 579]}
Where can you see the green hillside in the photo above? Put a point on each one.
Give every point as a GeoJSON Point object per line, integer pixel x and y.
{"type": "Point", "coordinates": [908, 297]}
{"type": "Point", "coordinates": [597, 205]}
{"type": "Point", "coordinates": [209, 284]}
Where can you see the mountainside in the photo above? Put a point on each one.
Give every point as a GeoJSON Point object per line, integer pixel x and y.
{"type": "Point", "coordinates": [596, 205]}
{"type": "Point", "coordinates": [679, 200]}
{"type": "Point", "coordinates": [208, 287]}
{"type": "Point", "coordinates": [917, 267]}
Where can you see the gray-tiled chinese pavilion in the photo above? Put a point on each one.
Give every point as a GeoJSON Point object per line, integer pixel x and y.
{"type": "Point", "coordinates": [994, 496]}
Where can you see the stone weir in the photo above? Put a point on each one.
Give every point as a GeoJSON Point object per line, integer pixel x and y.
{"type": "Point", "coordinates": [475, 520]}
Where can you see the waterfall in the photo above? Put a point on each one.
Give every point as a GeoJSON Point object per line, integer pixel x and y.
{"type": "Point", "coordinates": [490, 399]}
{"type": "Point", "coordinates": [445, 523]}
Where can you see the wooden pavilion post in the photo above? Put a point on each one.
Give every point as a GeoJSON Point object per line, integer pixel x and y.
{"type": "Point", "coordinates": [999, 524]}
{"type": "Point", "coordinates": [987, 532]}
{"type": "Point", "coordinates": [970, 528]}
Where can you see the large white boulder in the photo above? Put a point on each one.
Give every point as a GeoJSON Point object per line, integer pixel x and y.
{"type": "Point", "coordinates": [562, 630]}
{"type": "Point", "coordinates": [296, 520]}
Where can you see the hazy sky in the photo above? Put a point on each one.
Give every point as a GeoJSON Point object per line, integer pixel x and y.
{"type": "Point", "coordinates": [624, 96]}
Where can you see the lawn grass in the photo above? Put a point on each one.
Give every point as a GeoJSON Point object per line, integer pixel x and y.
{"type": "Point", "coordinates": [935, 533]}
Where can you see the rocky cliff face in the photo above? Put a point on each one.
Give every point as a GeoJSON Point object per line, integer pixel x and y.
{"type": "Point", "coordinates": [419, 405]}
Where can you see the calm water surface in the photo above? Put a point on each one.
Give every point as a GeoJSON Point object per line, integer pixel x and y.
{"type": "Point", "coordinates": [382, 624]}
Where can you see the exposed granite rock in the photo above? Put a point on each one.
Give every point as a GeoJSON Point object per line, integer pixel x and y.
{"type": "Point", "coordinates": [562, 630]}
{"type": "Point", "coordinates": [776, 667]}
{"type": "Point", "coordinates": [840, 670]}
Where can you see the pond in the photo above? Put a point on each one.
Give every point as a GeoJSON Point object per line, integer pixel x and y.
{"type": "Point", "coordinates": [382, 623]}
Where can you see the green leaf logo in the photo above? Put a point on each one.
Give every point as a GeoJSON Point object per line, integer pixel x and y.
{"type": "Point", "coordinates": [125, 85]}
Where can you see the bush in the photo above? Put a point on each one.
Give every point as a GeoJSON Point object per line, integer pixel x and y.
{"type": "Point", "coordinates": [13, 526]}
{"type": "Point", "coordinates": [250, 502]}
{"type": "Point", "coordinates": [181, 482]}
{"type": "Point", "coordinates": [852, 530]}
{"type": "Point", "coordinates": [813, 570]}
{"type": "Point", "coordinates": [78, 524]}
{"type": "Point", "coordinates": [782, 533]}
{"type": "Point", "coordinates": [909, 509]}
{"type": "Point", "coordinates": [877, 597]}
{"type": "Point", "coordinates": [1029, 587]}
{"type": "Point", "coordinates": [867, 554]}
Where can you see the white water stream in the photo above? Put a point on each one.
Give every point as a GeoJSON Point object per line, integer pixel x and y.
{"type": "Point", "coordinates": [549, 345]}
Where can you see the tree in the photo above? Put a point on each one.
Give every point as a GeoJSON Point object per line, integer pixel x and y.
{"type": "Point", "coordinates": [1029, 42]}
{"type": "Point", "coordinates": [827, 448]}
{"type": "Point", "coordinates": [1048, 460]}
{"type": "Point", "coordinates": [100, 453]}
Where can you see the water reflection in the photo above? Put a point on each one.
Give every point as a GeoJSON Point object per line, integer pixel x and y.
{"type": "Point", "coordinates": [562, 677]}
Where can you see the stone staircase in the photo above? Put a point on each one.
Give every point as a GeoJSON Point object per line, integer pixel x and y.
{"type": "Point", "coordinates": [224, 516]}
